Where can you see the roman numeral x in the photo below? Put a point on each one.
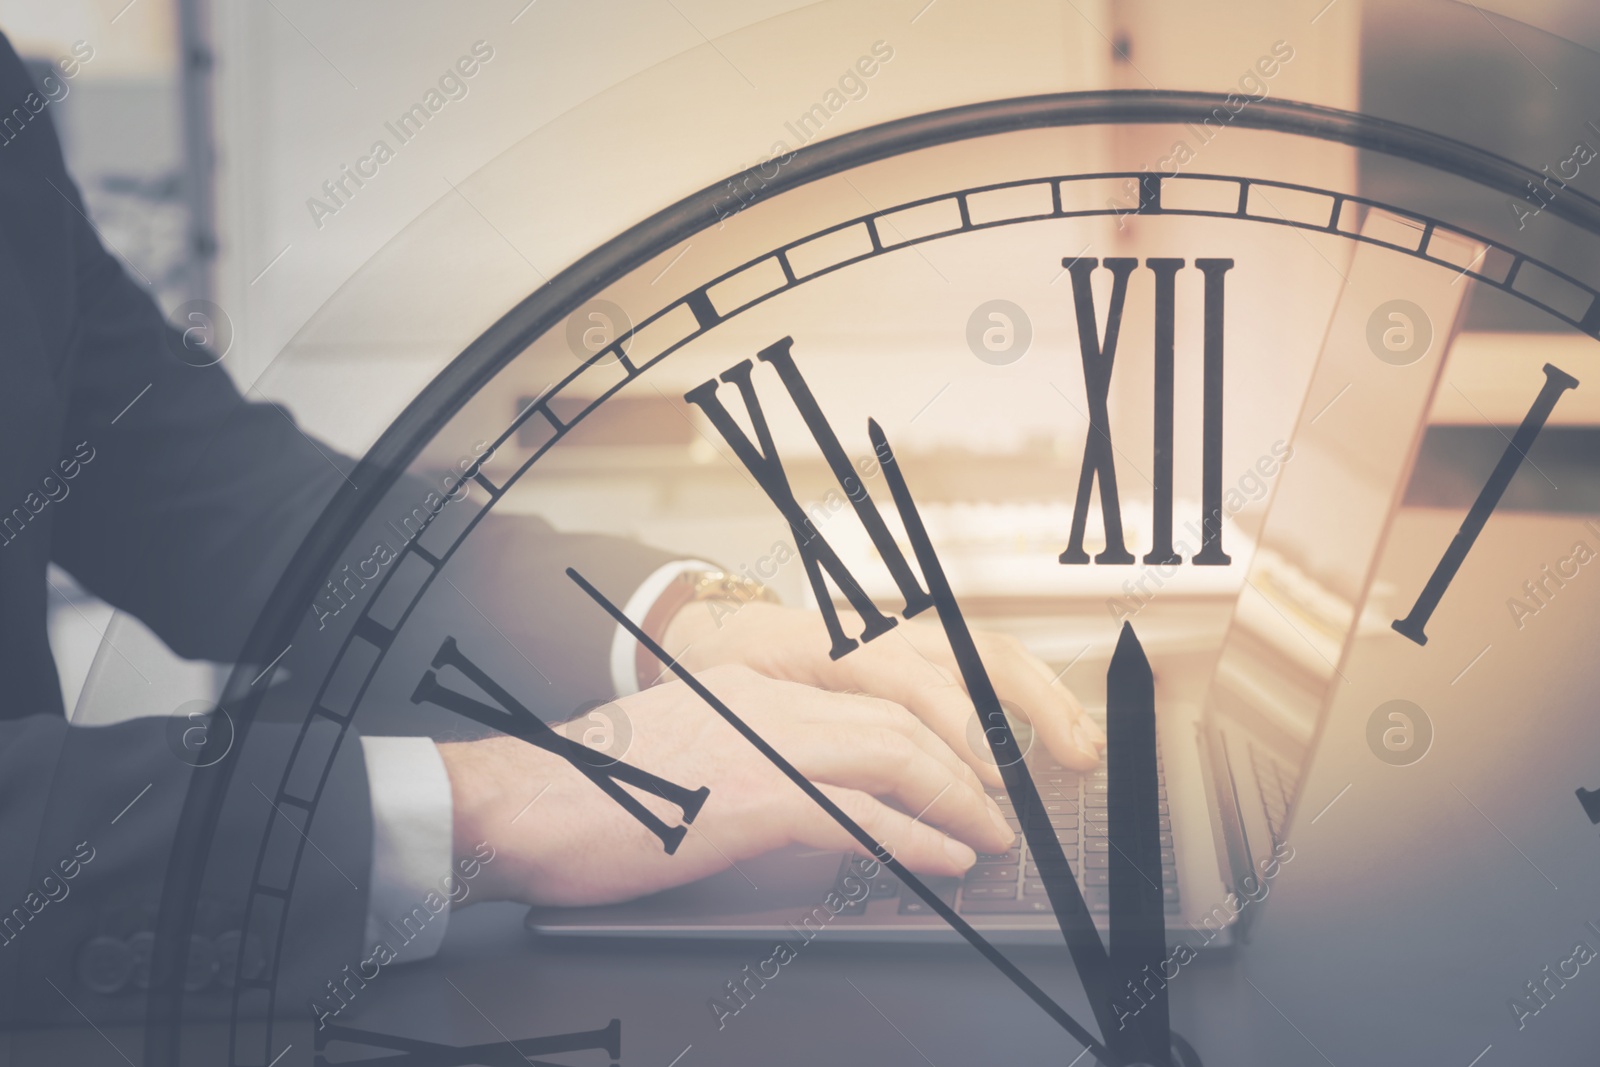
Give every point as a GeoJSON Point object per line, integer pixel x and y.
{"type": "Point", "coordinates": [1098, 457]}
{"type": "Point", "coordinates": [514, 719]}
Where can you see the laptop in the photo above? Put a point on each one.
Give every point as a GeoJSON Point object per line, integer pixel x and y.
{"type": "Point", "coordinates": [1231, 761]}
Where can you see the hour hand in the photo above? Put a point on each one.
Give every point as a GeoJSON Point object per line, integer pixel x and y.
{"type": "Point", "coordinates": [1138, 923]}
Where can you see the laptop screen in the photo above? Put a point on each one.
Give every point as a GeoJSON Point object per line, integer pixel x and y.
{"type": "Point", "coordinates": [1352, 448]}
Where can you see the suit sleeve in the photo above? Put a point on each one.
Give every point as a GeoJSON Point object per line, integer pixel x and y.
{"type": "Point", "coordinates": [87, 832]}
{"type": "Point", "coordinates": [199, 499]}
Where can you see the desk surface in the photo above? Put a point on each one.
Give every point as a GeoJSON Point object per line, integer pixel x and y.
{"type": "Point", "coordinates": [1419, 901]}
{"type": "Point", "coordinates": [1481, 899]}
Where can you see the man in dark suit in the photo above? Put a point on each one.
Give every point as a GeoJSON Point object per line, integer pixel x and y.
{"type": "Point", "coordinates": [162, 491]}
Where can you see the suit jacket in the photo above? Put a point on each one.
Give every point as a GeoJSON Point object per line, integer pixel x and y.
{"type": "Point", "coordinates": [161, 490]}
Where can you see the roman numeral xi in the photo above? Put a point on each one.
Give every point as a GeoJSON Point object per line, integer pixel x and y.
{"type": "Point", "coordinates": [761, 460]}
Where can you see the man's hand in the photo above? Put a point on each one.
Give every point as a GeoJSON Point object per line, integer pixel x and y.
{"type": "Point", "coordinates": [576, 846]}
{"type": "Point", "coordinates": [911, 665]}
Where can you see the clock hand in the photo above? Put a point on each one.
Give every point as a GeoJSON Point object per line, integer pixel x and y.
{"type": "Point", "coordinates": [1061, 887]}
{"type": "Point", "coordinates": [1138, 919]}
{"type": "Point", "coordinates": [1590, 799]}
{"type": "Point", "coordinates": [878, 851]}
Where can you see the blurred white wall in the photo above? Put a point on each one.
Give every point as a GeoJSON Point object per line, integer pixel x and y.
{"type": "Point", "coordinates": [604, 111]}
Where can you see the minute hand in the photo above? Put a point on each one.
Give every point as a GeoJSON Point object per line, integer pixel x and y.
{"type": "Point", "coordinates": [873, 847]}
{"type": "Point", "coordinates": [1083, 942]}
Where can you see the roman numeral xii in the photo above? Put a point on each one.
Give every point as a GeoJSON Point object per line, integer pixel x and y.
{"type": "Point", "coordinates": [1099, 353]}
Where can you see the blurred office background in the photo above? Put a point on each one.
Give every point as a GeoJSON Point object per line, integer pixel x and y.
{"type": "Point", "coordinates": [202, 133]}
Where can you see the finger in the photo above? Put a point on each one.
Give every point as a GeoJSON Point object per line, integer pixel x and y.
{"type": "Point", "coordinates": [1021, 678]}
{"type": "Point", "coordinates": [886, 763]}
{"type": "Point", "coordinates": [930, 690]}
{"type": "Point", "coordinates": [1095, 731]}
{"type": "Point", "coordinates": [859, 709]}
{"type": "Point", "coordinates": [1058, 720]}
{"type": "Point", "coordinates": [919, 846]}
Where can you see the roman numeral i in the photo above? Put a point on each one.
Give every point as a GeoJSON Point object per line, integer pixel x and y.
{"type": "Point", "coordinates": [1098, 357]}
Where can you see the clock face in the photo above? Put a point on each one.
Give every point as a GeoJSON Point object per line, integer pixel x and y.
{"type": "Point", "coordinates": [1071, 369]}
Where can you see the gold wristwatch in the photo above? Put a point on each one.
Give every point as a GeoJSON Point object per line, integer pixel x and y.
{"type": "Point", "coordinates": [688, 588]}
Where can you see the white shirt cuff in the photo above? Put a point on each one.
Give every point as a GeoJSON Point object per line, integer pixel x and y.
{"type": "Point", "coordinates": [412, 826]}
{"type": "Point", "coordinates": [624, 673]}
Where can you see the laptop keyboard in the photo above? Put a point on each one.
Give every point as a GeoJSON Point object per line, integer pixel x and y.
{"type": "Point", "coordinates": [1276, 780]}
{"type": "Point", "coordinates": [1009, 883]}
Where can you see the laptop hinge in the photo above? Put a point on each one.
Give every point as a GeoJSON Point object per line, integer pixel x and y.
{"type": "Point", "coordinates": [1234, 860]}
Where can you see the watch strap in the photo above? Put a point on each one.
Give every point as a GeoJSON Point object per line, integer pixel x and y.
{"type": "Point", "coordinates": [688, 588]}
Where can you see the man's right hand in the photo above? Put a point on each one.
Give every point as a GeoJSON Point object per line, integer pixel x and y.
{"type": "Point", "coordinates": [576, 846]}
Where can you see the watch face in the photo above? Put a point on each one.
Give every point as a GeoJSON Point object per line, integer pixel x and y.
{"type": "Point", "coordinates": [1155, 383]}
